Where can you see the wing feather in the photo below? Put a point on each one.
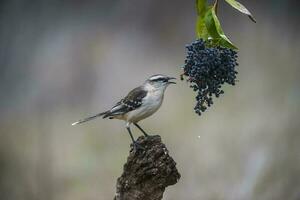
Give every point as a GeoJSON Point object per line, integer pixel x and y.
{"type": "Point", "coordinates": [132, 101]}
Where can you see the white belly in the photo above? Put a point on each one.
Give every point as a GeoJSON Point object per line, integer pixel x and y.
{"type": "Point", "coordinates": [150, 105]}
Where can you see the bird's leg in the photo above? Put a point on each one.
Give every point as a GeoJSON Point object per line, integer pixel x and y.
{"type": "Point", "coordinates": [136, 146]}
{"type": "Point", "coordinates": [141, 129]}
{"type": "Point", "coordinates": [129, 131]}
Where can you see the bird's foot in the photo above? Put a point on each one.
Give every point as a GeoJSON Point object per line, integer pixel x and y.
{"type": "Point", "coordinates": [137, 146]}
{"type": "Point", "coordinates": [146, 135]}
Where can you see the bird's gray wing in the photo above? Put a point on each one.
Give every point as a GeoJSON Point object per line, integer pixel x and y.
{"type": "Point", "coordinates": [131, 102]}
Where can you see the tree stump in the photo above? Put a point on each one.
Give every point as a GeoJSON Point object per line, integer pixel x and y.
{"type": "Point", "coordinates": [147, 172]}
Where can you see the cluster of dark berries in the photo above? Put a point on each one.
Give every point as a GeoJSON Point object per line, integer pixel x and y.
{"type": "Point", "coordinates": [207, 68]}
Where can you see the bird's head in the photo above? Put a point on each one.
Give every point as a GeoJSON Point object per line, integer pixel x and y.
{"type": "Point", "coordinates": [159, 81]}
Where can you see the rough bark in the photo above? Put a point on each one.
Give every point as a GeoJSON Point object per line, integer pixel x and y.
{"type": "Point", "coordinates": [147, 172]}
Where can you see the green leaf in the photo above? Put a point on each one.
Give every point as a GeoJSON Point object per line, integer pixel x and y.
{"type": "Point", "coordinates": [241, 8]}
{"type": "Point", "coordinates": [224, 41]}
{"type": "Point", "coordinates": [201, 30]}
{"type": "Point", "coordinates": [215, 30]}
{"type": "Point", "coordinates": [210, 24]}
{"type": "Point", "coordinates": [201, 7]}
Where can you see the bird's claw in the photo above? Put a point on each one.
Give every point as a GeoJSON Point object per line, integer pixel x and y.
{"type": "Point", "coordinates": [137, 146]}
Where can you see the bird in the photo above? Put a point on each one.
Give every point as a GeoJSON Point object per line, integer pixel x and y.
{"type": "Point", "coordinates": [140, 103]}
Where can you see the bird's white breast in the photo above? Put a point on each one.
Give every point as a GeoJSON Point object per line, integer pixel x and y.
{"type": "Point", "coordinates": [150, 104]}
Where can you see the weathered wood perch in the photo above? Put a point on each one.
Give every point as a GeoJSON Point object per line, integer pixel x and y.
{"type": "Point", "coordinates": [147, 171]}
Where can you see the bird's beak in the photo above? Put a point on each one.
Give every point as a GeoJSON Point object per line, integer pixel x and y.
{"type": "Point", "coordinates": [171, 82]}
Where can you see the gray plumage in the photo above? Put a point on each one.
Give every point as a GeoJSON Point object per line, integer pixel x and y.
{"type": "Point", "coordinates": [131, 102]}
{"type": "Point", "coordinates": [139, 103]}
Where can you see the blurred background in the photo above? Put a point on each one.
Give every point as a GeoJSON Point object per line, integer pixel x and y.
{"type": "Point", "coordinates": [62, 60]}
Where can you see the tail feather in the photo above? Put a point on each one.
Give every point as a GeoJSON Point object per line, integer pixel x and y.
{"type": "Point", "coordinates": [89, 118]}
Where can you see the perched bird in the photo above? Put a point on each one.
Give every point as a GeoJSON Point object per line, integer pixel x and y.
{"type": "Point", "coordinates": [139, 104]}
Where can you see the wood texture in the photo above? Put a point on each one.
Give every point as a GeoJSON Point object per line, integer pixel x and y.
{"type": "Point", "coordinates": [147, 172]}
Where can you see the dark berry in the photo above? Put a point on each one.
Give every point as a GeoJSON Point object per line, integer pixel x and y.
{"type": "Point", "coordinates": [207, 69]}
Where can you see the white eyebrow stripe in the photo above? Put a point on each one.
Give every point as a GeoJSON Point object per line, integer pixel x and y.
{"type": "Point", "coordinates": [156, 77]}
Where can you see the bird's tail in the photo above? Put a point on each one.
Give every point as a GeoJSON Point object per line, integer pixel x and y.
{"type": "Point", "coordinates": [89, 118]}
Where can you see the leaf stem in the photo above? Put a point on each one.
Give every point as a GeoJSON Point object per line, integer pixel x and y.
{"type": "Point", "coordinates": [216, 6]}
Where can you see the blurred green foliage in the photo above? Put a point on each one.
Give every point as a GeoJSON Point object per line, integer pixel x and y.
{"type": "Point", "coordinates": [208, 25]}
